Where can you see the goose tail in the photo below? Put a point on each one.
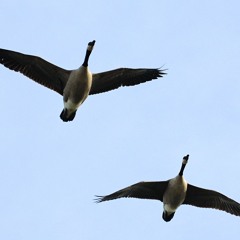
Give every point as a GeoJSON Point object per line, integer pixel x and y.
{"type": "Point", "coordinates": [67, 116]}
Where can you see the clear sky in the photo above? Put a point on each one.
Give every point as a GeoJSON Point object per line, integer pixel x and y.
{"type": "Point", "coordinates": [51, 170]}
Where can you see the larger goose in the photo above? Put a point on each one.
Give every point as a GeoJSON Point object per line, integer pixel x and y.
{"type": "Point", "coordinates": [74, 85]}
{"type": "Point", "coordinates": [175, 192]}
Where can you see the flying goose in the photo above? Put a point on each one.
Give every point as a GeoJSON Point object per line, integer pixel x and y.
{"type": "Point", "coordinates": [175, 192]}
{"type": "Point", "coordinates": [75, 85]}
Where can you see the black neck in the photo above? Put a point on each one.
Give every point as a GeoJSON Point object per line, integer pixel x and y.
{"type": "Point", "coordinates": [184, 162]}
{"type": "Point", "coordinates": [85, 63]}
{"type": "Point", "coordinates": [182, 169]}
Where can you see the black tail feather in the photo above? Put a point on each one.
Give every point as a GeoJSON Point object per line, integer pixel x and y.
{"type": "Point", "coordinates": [167, 216]}
{"type": "Point", "coordinates": [65, 115]}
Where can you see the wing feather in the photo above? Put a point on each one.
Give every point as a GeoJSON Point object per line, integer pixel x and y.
{"type": "Point", "coordinates": [205, 198]}
{"type": "Point", "coordinates": [143, 190]}
{"type": "Point", "coordinates": [36, 68]}
{"type": "Point", "coordinates": [106, 81]}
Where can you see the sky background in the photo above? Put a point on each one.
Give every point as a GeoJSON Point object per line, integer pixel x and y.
{"type": "Point", "coordinates": [51, 170]}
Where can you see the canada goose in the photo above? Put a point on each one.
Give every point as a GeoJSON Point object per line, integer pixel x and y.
{"type": "Point", "coordinates": [75, 85]}
{"type": "Point", "coordinates": [175, 192]}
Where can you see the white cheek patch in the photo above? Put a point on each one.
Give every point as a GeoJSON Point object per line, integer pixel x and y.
{"type": "Point", "coordinates": [90, 48]}
{"type": "Point", "coordinates": [184, 161]}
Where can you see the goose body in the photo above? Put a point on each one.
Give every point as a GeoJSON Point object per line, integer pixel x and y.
{"type": "Point", "coordinates": [76, 91]}
{"type": "Point", "coordinates": [173, 196]}
{"type": "Point", "coordinates": [75, 85]}
{"type": "Point", "coordinates": [175, 192]}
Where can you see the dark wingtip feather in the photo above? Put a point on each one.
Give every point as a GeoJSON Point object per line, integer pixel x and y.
{"type": "Point", "coordinates": [161, 72]}
{"type": "Point", "coordinates": [98, 199]}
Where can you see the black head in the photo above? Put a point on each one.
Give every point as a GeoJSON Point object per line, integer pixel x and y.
{"type": "Point", "coordinates": [184, 163]}
{"type": "Point", "coordinates": [88, 52]}
{"type": "Point", "coordinates": [91, 43]}
{"type": "Point", "coordinates": [185, 159]}
{"type": "Point", "coordinates": [90, 46]}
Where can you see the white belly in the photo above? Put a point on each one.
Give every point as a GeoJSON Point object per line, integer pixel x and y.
{"type": "Point", "coordinates": [77, 88]}
{"type": "Point", "coordinates": [174, 194]}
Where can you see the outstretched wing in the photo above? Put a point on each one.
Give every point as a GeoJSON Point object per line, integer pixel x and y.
{"type": "Point", "coordinates": [205, 198]}
{"type": "Point", "coordinates": [36, 68]}
{"type": "Point", "coordinates": [106, 81]}
{"type": "Point", "coordinates": [144, 190]}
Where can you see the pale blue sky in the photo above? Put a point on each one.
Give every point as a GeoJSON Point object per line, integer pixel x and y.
{"type": "Point", "coordinates": [50, 170]}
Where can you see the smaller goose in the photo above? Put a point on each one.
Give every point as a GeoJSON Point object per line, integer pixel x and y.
{"type": "Point", "coordinates": [175, 192]}
{"type": "Point", "coordinates": [75, 85]}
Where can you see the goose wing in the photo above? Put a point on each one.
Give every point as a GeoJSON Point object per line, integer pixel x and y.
{"type": "Point", "coordinates": [205, 198]}
{"type": "Point", "coordinates": [106, 81]}
{"type": "Point", "coordinates": [36, 68]}
{"type": "Point", "coordinates": [144, 190]}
